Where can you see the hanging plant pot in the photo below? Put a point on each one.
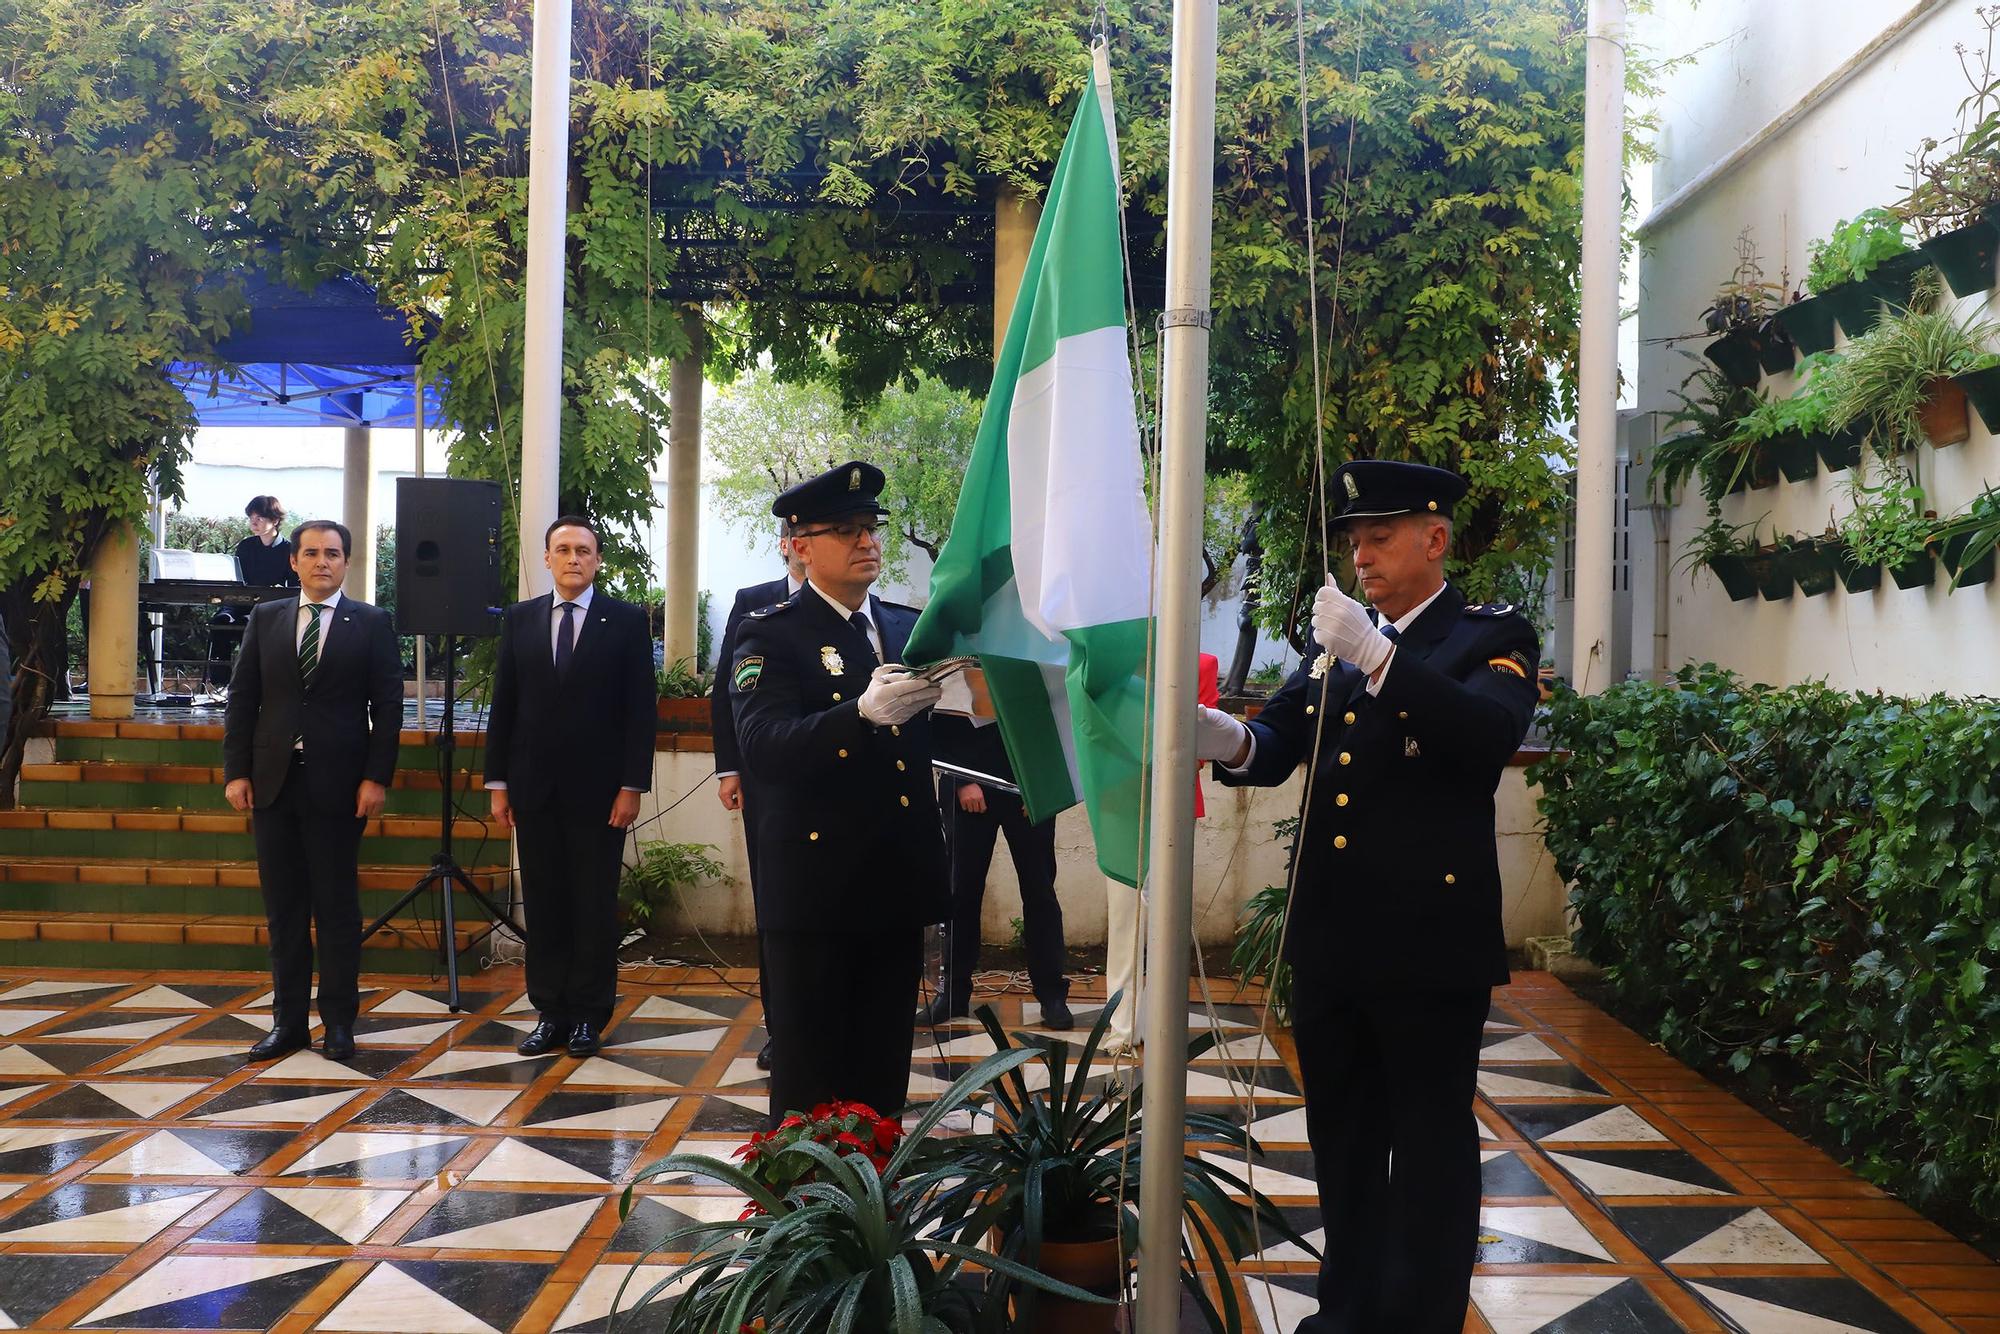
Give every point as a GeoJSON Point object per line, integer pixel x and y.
{"type": "Point", "coordinates": [1772, 573]}
{"type": "Point", "coordinates": [1736, 354]}
{"type": "Point", "coordinates": [1840, 450]}
{"type": "Point", "coordinates": [1982, 390]}
{"type": "Point", "coordinates": [1854, 576]}
{"type": "Point", "coordinates": [1917, 572]}
{"type": "Point", "coordinates": [1953, 554]}
{"type": "Point", "coordinates": [1795, 456]}
{"type": "Point", "coordinates": [1855, 305]}
{"type": "Point", "coordinates": [1776, 352]}
{"type": "Point", "coordinates": [1892, 278]}
{"type": "Point", "coordinates": [1733, 573]}
{"type": "Point", "coordinates": [1943, 413]}
{"type": "Point", "coordinates": [1762, 467]}
{"type": "Point", "coordinates": [1809, 324]}
{"type": "Point", "coordinates": [1811, 565]}
{"type": "Point", "coordinates": [1965, 257]}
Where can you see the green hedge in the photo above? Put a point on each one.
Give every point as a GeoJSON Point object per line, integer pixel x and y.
{"type": "Point", "coordinates": [1800, 884]}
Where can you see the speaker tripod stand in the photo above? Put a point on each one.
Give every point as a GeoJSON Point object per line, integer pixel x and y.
{"type": "Point", "coordinates": [446, 874]}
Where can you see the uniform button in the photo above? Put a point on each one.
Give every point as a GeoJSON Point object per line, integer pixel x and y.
{"type": "Point", "coordinates": [1309, 709]}
{"type": "Point", "coordinates": [900, 764]}
{"type": "Point", "coordinates": [1340, 840]}
{"type": "Point", "coordinates": [1345, 758]}
{"type": "Point", "coordinates": [1451, 880]}
{"type": "Point", "coordinates": [836, 697]}
{"type": "Point", "coordinates": [895, 730]}
{"type": "Point", "coordinates": [1401, 714]}
{"type": "Point", "coordinates": [843, 752]}
{"type": "Point", "coordinates": [813, 836]}
{"type": "Point", "coordinates": [1348, 718]}
{"type": "Point", "coordinates": [1340, 800]}
{"type": "Point", "coordinates": [904, 800]}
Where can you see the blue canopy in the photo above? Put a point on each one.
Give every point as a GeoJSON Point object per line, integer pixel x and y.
{"type": "Point", "coordinates": [333, 356]}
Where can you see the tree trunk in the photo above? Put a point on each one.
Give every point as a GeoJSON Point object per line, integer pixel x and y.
{"type": "Point", "coordinates": [36, 630]}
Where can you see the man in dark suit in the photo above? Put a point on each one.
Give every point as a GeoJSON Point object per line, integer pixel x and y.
{"type": "Point", "coordinates": [1412, 712]}
{"type": "Point", "coordinates": [569, 748]}
{"type": "Point", "coordinates": [728, 758]}
{"type": "Point", "coordinates": [976, 814]}
{"type": "Point", "coordinates": [836, 741]}
{"type": "Point", "coordinates": [309, 746]}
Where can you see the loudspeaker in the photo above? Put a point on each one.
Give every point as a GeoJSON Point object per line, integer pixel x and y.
{"type": "Point", "coordinates": [447, 556]}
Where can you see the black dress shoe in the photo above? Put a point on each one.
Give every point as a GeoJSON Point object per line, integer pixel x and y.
{"type": "Point", "coordinates": [583, 1040]}
{"type": "Point", "coordinates": [941, 1011]}
{"type": "Point", "coordinates": [338, 1044]}
{"type": "Point", "coordinates": [545, 1037]}
{"type": "Point", "coordinates": [278, 1042]}
{"type": "Point", "coordinates": [764, 1056]}
{"type": "Point", "coordinates": [1056, 1016]}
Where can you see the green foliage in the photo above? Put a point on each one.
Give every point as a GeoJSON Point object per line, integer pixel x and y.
{"type": "Point", "coordinates": [1971, 534]}
{"type": "Point", "coordinates": [1852, 250]}
{"type": "Point", "coordinates": [1255, 956]}
{"type": "Point", "coordinates": [1885, 375]}
{"type": "Point", "coordinates": [1707, 447]}
{"type": "Point", "coordinates": [1798, 884]}
{"type": "Point", "coordinates": [680, 680]}
{"type": "Point", "coordinates": [203, 532]}
{"type": "Point", "coordinates": [1888, 524]}
{"type": "Point", "coordinates": [663, 871]}
{"type": "Point", "coordinates": [1958, 188]}
{"type": "Point", "coordinates": [1806, 412]}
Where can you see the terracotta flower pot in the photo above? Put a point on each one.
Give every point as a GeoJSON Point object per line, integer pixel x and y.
{"type": "Point", "coordinates": [1095, 1266]}
{"type": "Point", "coordinates": [1943, 413]}
{"type": "Point", "coordinates": [683, 715]}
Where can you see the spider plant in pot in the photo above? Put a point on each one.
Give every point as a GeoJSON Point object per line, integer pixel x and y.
{"type": "Point", "coordinates": [1056, 1181]}
{"type": "Point", "coordinates": [846, 1248]}
{"type": "Point", "coordinates": [1889, 527]}
{"type": "Point", "coordinates": [1896, 379]}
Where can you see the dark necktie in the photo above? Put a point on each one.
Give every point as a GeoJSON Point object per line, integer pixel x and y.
{"type": "Point", "coordinates": [1390, 632]}
{"type": "Point", "coordinates": [309, 645]}
{"type": "Point", "coordinates": [565, 638]}
{"type": "Point", "coordinates": [860, 622]}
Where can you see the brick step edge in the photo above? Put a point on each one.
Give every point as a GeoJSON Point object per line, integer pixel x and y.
{"type": "Point", "coordinates": [147, 929]}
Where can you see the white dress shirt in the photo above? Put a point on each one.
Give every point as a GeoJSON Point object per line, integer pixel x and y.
{"type": "Point", "coordinates": [305, 619]}
{"type": "Point", "coordinates": [867, 610]}
{"type": "Point", "coordinates": [577, 618]}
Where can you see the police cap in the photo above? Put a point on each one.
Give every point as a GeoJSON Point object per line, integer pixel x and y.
{"type": "Point", "coordinates": [837, 493]}
{"type": "Point", "coordinates": [1376, 488]}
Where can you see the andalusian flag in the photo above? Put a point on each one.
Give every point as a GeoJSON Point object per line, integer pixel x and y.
{"type": "Point", "coordinates": [1046, 576]}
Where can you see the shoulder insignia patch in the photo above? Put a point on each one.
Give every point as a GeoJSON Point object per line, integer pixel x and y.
{"type": "Point", "coordinates": [771, 610]}
{"type": "Point", "coordinates": [1508, 664]}
{"type": "Point", "coordinates": [747, 671]}
{"type": "Point", "coordinates": [1489, 609]}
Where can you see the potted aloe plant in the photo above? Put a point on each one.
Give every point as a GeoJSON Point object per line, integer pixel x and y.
{"type": "Point", "coordinates": [1056, 1181]}
{"type": "Point", "coordinates": [1889, 527]}
{"type": "Point", "coordinates": [1967, 541]}
{"type": "Point", "coordinates": [1846, 268]}
{"type": "Point", "coordinates": [1898, 378]}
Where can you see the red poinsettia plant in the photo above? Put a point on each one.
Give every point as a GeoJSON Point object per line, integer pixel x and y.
{"type": "Point", "coordinates": [844, 1127]}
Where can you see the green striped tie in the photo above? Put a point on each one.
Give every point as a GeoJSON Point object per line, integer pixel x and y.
{"type": "Point", "coordinates": [309, 645]}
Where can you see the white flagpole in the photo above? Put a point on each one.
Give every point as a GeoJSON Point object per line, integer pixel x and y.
{"type": "Point", "coordinates": [541, 368]}
{"type": "Point", "coordinates": [1170, 849]}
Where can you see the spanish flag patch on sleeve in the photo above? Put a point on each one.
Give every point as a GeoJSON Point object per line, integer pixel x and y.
{"type": "Point", "coordinates": [1508, 665]}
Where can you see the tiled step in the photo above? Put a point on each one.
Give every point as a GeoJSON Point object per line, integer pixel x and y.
{"type": "Point", "coordinates": [99, 784]}
{"type": "Point", "coordinates": [80, 884]}
{"type": "Point", "coordinates": [201, 744]}
{"type": "Point", "coordinates": [160, 940]}
{"type": "Point", "coordinates": [222, 836]}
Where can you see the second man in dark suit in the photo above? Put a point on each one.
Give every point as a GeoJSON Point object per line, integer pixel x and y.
{"type": "Point", "coordinates": [309, 747]}
{"type": "Point", "coordinates": [569, 748]}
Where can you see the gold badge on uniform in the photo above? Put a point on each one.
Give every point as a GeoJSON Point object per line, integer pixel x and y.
{"type": "Point", "coordinates": [854, 479]}
{"type": "Point", "coordinates": [1353, 490]}
{"type": "Point", "coordinates": [1320, 663]}
{"type": "Point", "coordinates": [1410, 751]}
{"type": "Point", "coordinates": [829, 658]}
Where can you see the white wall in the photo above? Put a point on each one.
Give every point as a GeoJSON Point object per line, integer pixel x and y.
{"type": "Point", "coordinates": [1236, 855]}
{"type": "Point", "coordinates": [1848, 153]}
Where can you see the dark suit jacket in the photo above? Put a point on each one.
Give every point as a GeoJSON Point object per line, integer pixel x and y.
{"type": "Point", "coordinates": [956, 740]}
{"type": "Point", "coordinates": [847, 827]}
{"type": "Point", "coordinates": [721, 713]}
{"type": "Point", "coordinates": [572, 743]}
{"type": "Point", "coordinates": [1398, 873]}
{"type": "Point", "coordinates": [351, 716]}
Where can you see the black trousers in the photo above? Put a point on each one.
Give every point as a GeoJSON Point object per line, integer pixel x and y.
{"type": "Point", "coordinates": [845, 1017]}
{"type": "Point", "coordinates": [750, 855]}
{"type": "Point", "coordinates": [1385, 1074]}
{"type": "Point", "coordinates": [970, 837]}
{"type": "Point", "coordinates": [306, 865]}
{"type": "Point", "coordinates": [570, 864]}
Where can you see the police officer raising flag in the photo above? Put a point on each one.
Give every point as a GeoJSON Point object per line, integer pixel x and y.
{"type": "Point", "coordinates": [850, 853]}
{"type": "Point", "coordinates": [1415, 704]}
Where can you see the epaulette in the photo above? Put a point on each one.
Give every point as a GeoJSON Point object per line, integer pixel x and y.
{"type": "Point", "coordinates": [771, 610]}
{"type": "Point", "coordinates": [1490, 609]}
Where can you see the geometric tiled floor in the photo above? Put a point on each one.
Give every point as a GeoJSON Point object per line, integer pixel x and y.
{"type": "Point", "coordinates": [151, 1180]}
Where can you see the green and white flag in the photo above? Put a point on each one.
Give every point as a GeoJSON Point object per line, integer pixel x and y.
{"type": "Point", "coordinates": [1047, 573]}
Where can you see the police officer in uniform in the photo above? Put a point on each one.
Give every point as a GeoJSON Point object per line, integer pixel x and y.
{"type": "Point", "coordinates": [835, 737]}
{"type": "Point", "coordinates": [1416, 706]}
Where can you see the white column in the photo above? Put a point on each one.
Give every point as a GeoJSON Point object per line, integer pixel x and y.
{"type": "Point", "coordinates": [1597, 368]}
{"type": "Point", "coordinates": [1170, 846]}
{"type": "Point", "coordinates": [684, 388]}
{"type": "Point", "coordinates": [541, 371]}
{"type": "Point", "coordinates": [357, 497]}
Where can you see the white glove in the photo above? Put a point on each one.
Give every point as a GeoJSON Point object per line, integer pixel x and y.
{"type": "Point", "coordinates": [896, 695]}
{"type": "Point", "coordinates": [1217, 736]}
{"type": "Point", "coordinates": [1341, 627]}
